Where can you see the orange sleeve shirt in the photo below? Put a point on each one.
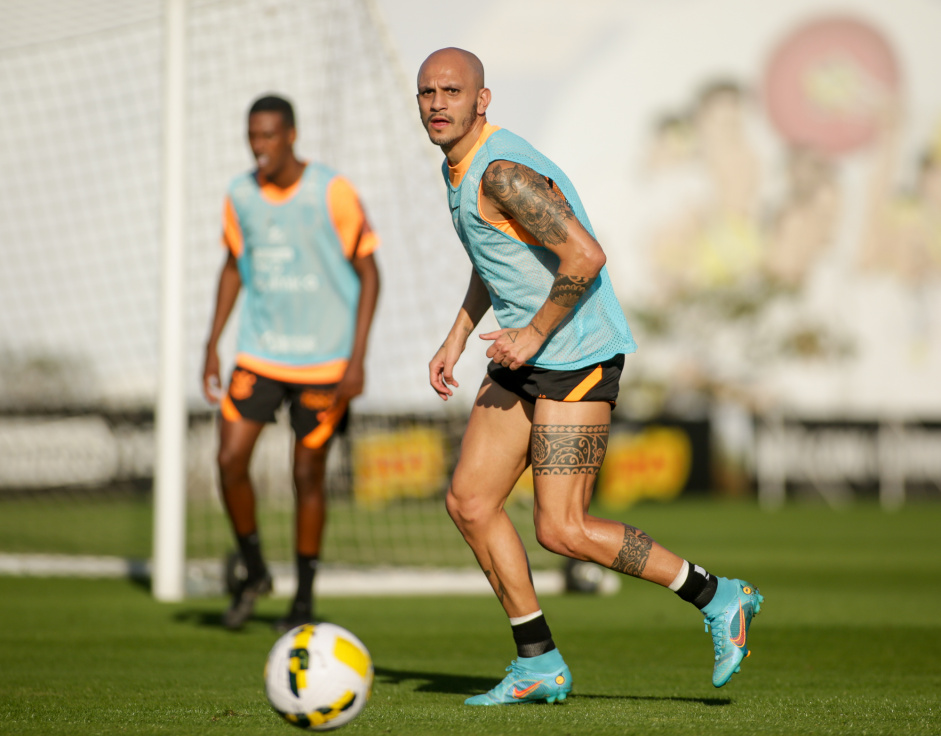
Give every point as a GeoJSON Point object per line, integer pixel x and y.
{"type": "Point", "coordinates": [456, 174]}
{"type": "Point", "coordinates": [346, 212]}
{"type": "Point", "coordinates": [356, 237]}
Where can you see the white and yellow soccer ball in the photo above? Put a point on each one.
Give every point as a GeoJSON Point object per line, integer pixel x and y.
{"type": "Point", "coordinates": [318, 676]}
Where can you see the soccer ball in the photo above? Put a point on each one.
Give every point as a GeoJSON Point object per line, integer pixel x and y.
{"type": "Point", "coordinates": [318, 676]}
{"type": "Point", "coordinates": [582, 577]}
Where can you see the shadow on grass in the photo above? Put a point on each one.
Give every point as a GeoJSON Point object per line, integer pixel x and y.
{"type": "Point", "coordinates": [657, 698]}
{"type": "Point", "coordinates": [439, 682]}
{"type": "Point", "coordinates": [213, 619]}
{"type": "Point", "coordinates": [435, 682]}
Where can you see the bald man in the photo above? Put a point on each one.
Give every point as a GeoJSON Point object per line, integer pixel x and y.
{"type": "Point", "coordinates": [552, 381]}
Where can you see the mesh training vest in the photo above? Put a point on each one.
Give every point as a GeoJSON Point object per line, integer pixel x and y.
{"type": "Point", "coordinates": [519, 276]}
{"type": "Point", "coordinates": [301, 291]}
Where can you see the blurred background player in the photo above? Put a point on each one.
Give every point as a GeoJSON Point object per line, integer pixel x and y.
{"type": "Point", "coordinates": [553, 378]}
{"type": "Point", "coordinates": [300, 245]}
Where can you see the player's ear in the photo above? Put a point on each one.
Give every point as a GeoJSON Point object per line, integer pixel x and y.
{"type": "Point", "coordinates": [483, 100]}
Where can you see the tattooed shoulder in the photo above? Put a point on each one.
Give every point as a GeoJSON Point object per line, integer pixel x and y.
{"type": "Point", "coordinates": [530, 199]}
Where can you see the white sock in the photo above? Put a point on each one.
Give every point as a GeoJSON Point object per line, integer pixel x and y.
{"type": "Point", "coordinates": [517, 620]}
{"type": "Point", "coordinates": [680, 577]}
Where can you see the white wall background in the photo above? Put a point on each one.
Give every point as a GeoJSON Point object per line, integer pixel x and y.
{"type": "Point", "coordinates": [584, 82]}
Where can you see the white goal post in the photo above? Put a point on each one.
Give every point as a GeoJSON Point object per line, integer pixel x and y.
{"type": "Point", "coordinates": [396, 211]}
{"type": "Point", "coordinates": [169, 560]}
{"type": "Point", "coordinates": [129, 121]}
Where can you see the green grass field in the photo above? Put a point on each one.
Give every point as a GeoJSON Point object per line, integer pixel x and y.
{"type": "Point", "coordinates": [406, 533]}
{"type": "Point", "coordinates": [848, 642]}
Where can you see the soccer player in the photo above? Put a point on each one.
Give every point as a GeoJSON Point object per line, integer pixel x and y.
{"type": "Point", "coordinates": [553, 378]}
{"type": "Point", "coordinates": [300, 246]}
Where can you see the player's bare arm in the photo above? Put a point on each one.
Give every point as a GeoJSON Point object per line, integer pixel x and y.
{"type": "Point", "coordinates": [230, 283]}
{"type": "Point", "coordinates": [512, 190]}
{"type": "Point", "coordinates": [475, 306]}
{"type": "Point", "coordinates": [354, 379]}
{"type": "Point", "coordinates": [518, 191]}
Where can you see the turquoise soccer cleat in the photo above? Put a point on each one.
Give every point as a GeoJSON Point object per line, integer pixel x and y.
{"type": "Point", "coordinates": [524, 686]}
{"type": "Point", "coordinates": [729, 615]}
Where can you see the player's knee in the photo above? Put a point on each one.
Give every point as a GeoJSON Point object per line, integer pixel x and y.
{"type": "Point", "coordinates": [465, 511]}
{"type": "Point", "coordinates": [233, 467]}
{"type": "Point", "coordinates": [553, 542]}
{"type": "Point", "coordinates": [308, 479]}
{"type": "Point", "coordinates": [560, 537]}
{"type": "Point", "coordinates": [456, 509]}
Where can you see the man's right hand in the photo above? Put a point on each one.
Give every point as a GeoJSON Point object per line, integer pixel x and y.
{"type": "Point", "coordinates": [441, 370]}
{"type": "Point", "coordinates": [212, 383]}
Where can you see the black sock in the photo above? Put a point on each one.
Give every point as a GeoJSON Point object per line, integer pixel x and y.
{"type": "Point", "coordinates": [306, 570]}
{"type": "Point", "coordinates": [250, 549]}
{"type": "Point", "coordinates": [533, 637]}
{"type": "Point", "coordinates": [699, 587]}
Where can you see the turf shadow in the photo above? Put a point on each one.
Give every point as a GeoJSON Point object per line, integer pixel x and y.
{"type": "Point", "coordinates": [208, 619]}
{"type": "Point", "coordinates": [435, 682]}
{"type": "Point", "coordinates": [656, 698]}
{"type": "Point", "coordinates": [213, 619]}
{"type": "Point", "coordinates": [439, 682]}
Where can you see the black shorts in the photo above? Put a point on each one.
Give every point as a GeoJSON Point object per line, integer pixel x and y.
{"type": "Point", "coordinates": [596, 382]}
{"type": "Point", "coordinates": [257, 398]}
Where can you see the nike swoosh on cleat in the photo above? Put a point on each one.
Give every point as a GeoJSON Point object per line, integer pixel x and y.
{"type": "Point", "coordinates": [526, 690]}
{"type": "Point", "coordinates": [739, 640]}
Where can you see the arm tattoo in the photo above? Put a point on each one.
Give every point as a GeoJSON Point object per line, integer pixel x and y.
{"type": "Point", "coordinates": [568, 449]}
{"type": "Point", "coordinates": [530, 200]}
{"type": "Point", "coordinates": [467, 332]}
{"type": "Point", "coordinates": [567, 290]}
{"type": "Point", "coordinates": [632, 559]}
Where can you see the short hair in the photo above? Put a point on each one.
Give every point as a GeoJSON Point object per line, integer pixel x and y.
{"type": "Point", "coordinates": [273, 103]}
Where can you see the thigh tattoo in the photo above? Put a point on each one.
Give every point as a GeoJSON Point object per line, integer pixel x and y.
{"type": "Point", "coordinates": [568, 449]}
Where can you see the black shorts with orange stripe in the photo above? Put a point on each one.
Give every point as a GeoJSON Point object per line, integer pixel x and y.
{"type": "Point", "coordinates": [596, 382]}
{"type": "Point", "coordinates": [258, 398]}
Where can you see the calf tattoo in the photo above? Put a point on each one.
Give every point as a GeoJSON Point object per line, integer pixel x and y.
{"type": "Point", "coordinates": [576, 449]}
{"type": "Point", "coordinates": [500, 590]}
{"type": "Point", "coordinates": [632, 559]}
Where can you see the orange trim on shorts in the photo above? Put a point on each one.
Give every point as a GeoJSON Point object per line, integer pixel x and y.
{"type": "Point", "coordinates": [229, 412]}
{"type": "Point", "coordinates": [330, 372]}
{"type": "Point", "coordinates": [587, 384]}
{"type": "Point", "coordinates": [324, 430]}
